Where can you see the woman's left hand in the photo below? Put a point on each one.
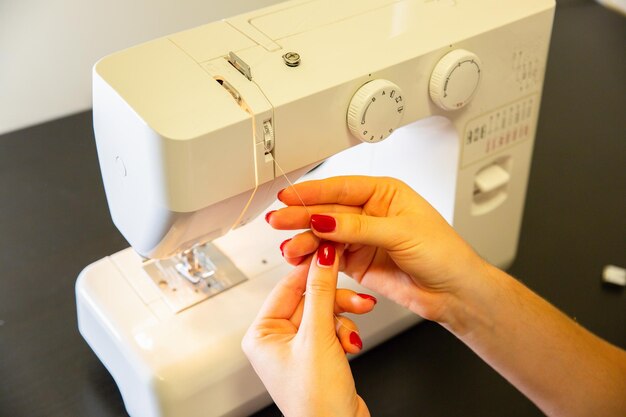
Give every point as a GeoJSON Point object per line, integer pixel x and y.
{"type": "Point", "coordinates": [297, 344]}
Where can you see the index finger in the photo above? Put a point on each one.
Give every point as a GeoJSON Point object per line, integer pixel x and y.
{"type": "Point", "coordinates": [346, 190]}
{"type": "Point", "coordinates": [299, 217]}
{"type": "Point", "coordinates": [283, 300]}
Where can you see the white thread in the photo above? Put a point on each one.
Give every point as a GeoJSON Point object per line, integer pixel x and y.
{"type": "Point", "coordinates": [307, 210]}
{"type": "Point", "coordinates": [290, 183]}
{"type": "Point", "coordinates": [343, 325]}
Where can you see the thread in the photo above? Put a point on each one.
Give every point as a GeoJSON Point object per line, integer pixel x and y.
{"type": "Point", "coordinates": [282, 172]}
{"type": "Point", "coordinates": [291, 185]}
{"type": "Point", "coordinates": [343, 325]}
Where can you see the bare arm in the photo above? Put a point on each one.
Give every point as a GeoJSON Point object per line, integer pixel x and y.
{"type": "Point", "coordinates": [563, 368]}
{"type": "Point", "coordinates": [402, 248]}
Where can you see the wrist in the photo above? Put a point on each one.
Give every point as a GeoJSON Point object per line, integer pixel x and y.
{"type": "Point", "coordinates": [329, 406]}
{"type": "Point", "coordinates": [470, 305]}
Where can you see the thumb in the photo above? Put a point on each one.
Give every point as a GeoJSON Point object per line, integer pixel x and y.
{"type": "Point", "coordinates": [321, 285]}
{"type": "Point", "coordinates": [357, 228]}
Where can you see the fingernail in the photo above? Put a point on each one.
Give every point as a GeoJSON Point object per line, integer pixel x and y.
{"type": "Point", "coordinates": [355, 339]}
{"type": "Point", "coordinates": [268, 215]}
{"type": "Point", "coordinates": [368, 297]}
{"type": "Point", "coordinates": [326, 254]}
{"type": "Point", "coordinates": [279, 193]}
{"type": "Point", "coordinates": [323, 223]}
{"type": "Point", "coordinates": [282, 247]}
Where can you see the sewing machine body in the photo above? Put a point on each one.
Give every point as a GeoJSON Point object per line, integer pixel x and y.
{"type": "Point", "coordinates": [183, 161]}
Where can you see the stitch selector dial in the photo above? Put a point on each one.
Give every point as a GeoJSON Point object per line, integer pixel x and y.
{"type": "Point", "coordinates": [375, 110]}
{"type": "Point", "coordinates": [455, 79]}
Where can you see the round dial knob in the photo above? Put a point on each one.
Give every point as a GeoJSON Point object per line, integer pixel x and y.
{"type": "Point", "coordinates": [375, 110]}
{"type": "Point", "coordinates": [455, 79]}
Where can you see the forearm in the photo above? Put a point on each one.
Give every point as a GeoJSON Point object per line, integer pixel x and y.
{"type": "Point", "coordinates": [564, 369]}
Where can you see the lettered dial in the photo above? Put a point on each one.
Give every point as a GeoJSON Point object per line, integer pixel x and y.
{"type": "Point", "coordinates": [455, 79]}
{"type": "Point", "coordinates": [375, 110]}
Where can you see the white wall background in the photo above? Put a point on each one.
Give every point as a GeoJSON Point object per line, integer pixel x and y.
{"type": "Point", "coordinates": [47, 47]}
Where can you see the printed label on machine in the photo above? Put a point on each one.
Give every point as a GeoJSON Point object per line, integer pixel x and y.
{"type": "Point", "coordinates": [499, 129]}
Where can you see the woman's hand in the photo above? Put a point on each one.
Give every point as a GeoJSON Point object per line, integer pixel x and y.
{"type": "Point", "coordinates": [399, 245]}
{"type": "Point", "coordinates": [297, 344]}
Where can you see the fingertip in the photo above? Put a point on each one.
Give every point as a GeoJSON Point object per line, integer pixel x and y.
{"type": "Point", "coordinates": [351, 342]}
{"type": "Point", "coordinates": [348, 334]}
{"type": "Point", "coordinates": [323, 223]}
{"type": "Point", "coordinates": [268, 216]}
{"type": "Point", "coordinates": [368, 297]}
{"type": "Point", "coordinates": [282, 246]}
{"type": "Point", "coordinates": [355, 340]}
{"type": "Point", "coordinates": [326, 255]}
{"type": "Point", "coordinates": [350, 348]}
{"type": "Point", "coordinates": [362, 305]}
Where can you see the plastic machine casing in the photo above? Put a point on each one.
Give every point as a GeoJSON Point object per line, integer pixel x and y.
{"type": "Point", "coordinates": [183, 162]}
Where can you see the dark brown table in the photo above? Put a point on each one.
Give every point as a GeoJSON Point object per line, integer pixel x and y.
{"type": "Point", "coordinates": [54, 221]}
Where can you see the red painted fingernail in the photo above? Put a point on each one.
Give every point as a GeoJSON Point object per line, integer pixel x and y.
{"type": "Point", "coordinates": [279, 193]}
{"type": "Point", "coordinates": [368, 297]}
{"type": "Point", "coordinates": [282, 247]}
{"type": "Point", "coordinates": [268, 215]}
{"type": "Point", "coordinates": [326, 254]}
{"type": "Point", "coordinates": [323, 223]}
{"type": "Point", "coordinates": [355, 339]}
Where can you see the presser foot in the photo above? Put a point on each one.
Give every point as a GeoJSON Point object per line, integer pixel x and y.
{"type": "Point", "coordinates": [196, 266]}
{"type": "Point", "coordinates": [193, 276]}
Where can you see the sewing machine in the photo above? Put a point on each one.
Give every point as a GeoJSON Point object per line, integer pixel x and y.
{"type": "Point", "coordinates": [197, 132]}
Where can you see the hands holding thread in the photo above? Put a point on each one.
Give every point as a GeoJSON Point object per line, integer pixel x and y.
{"type": "Point", "coordinates": [297, 343]}
{"type": "Point", "coordinates": [392, 241]}
{"type": "Point", "coordinates": [398, 245]}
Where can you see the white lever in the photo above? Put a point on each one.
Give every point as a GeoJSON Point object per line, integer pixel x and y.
{"type": "Point", "coordinates": [491, 178]}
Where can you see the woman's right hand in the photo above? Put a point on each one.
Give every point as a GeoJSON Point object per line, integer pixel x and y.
{"type": "Point", "coordinates": [401, 247]}
{"type": "Point", "coordinates": [397, 243]}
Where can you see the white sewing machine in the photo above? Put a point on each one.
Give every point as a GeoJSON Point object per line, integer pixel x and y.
{"type": "Point", "coordinates": [195, 130]}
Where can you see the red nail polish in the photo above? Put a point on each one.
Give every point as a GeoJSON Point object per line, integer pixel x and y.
{"type": "Point", "coordinates": [323, 223]}
{"type": "Point", "coordinates": [368, 297]}
{"type": "Point", "coordinates": [268, 215]}
{"type": "Point", "coordinates": [282, 246]}
{"type": "Point", "coordinates": [326, 254]}
{"type": "Point", "coordinates": [355, 339]}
